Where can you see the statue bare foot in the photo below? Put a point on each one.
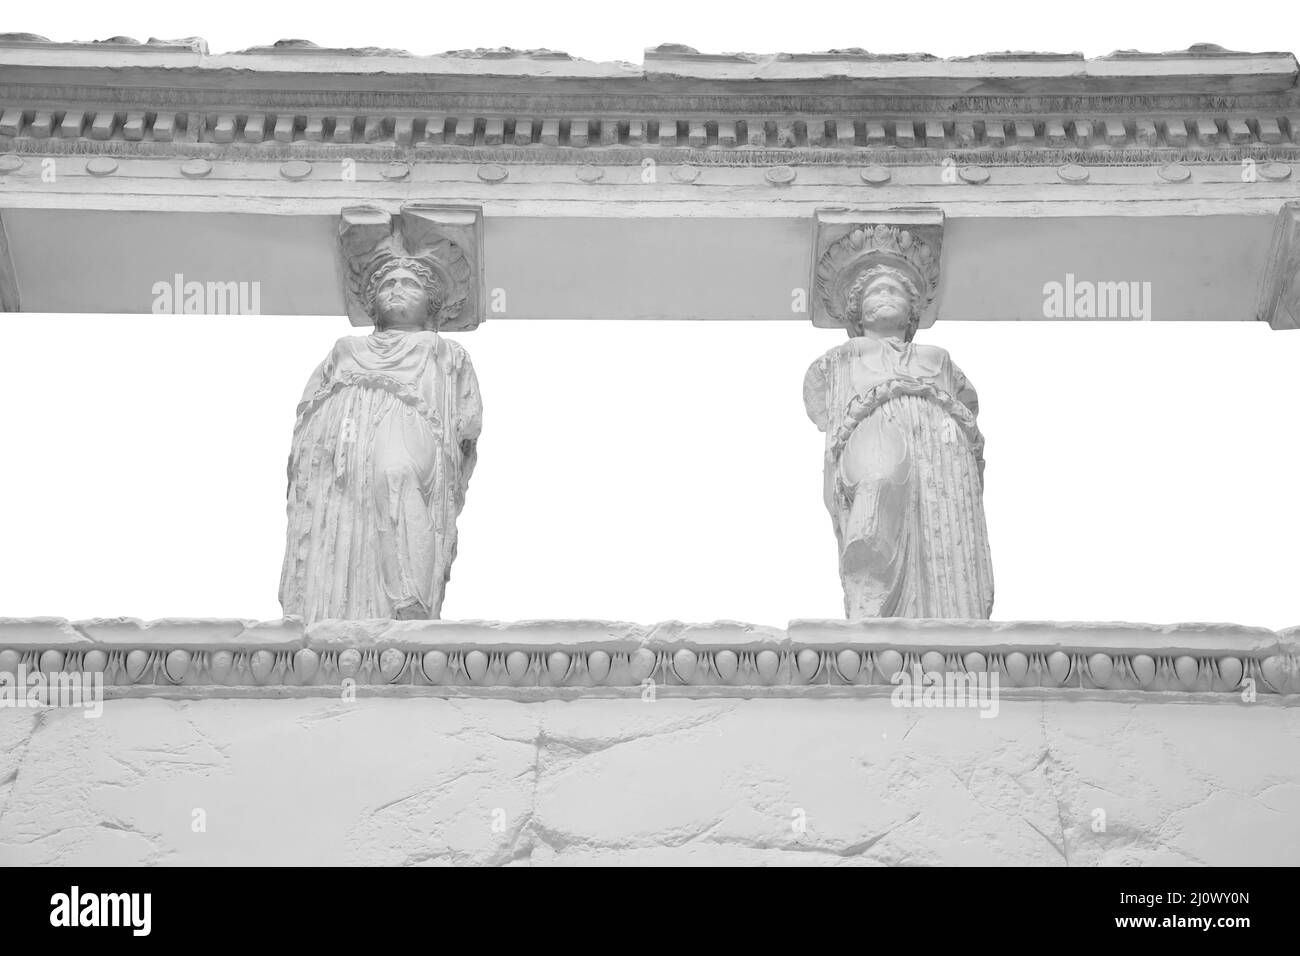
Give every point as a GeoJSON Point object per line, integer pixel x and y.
{"type": "Point", "coordinates": [411, 610]}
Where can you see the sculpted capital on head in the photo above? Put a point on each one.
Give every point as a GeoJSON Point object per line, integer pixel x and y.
{"type": "Point", "coordinates": [876, 279]}
{"type": "Point", "coordinates": [416, 270]}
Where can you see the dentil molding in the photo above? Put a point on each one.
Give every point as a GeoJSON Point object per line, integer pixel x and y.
{"type": "Point", "coordinates": [174, 98]}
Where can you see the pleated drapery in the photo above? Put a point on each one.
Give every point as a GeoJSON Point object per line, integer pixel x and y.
{"type": "Point", "coordinates": [383, 449]}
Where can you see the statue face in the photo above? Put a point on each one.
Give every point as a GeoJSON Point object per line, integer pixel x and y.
{"type": "Point", "coordinates": [402, 302]}
{"type": "Point", "coordinates": [886, 306]}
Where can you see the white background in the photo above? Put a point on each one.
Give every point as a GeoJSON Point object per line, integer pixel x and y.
{"type": "Point", "coordinates": [646, 471]}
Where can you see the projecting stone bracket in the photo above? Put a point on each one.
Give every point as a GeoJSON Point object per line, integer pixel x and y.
{"type": "Point", "coordinates": [448, 239]}
{"type": "Point", "coordinates": [564, 659]}
{"type": "Point", "coordinates": [847, 240]}
{"type": "Point", "coordinates": [1280, 290]}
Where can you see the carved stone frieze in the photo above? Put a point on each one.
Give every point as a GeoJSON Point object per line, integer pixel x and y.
{"type": "Point", "coordinates": [1127, 139]}
{"type": "Point", "coordinates": [1201, 102]}
{"type": "Point", "coordinates": [216, 658]}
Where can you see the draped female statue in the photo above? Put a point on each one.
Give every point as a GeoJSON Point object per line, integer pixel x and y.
{"type": "Point", "coordinates": [384, 446]}
{"type": "Point", "coordinates": [904, 456]}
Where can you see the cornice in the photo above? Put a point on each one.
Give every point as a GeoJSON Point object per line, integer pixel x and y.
{"type": "Point", "coordinates": [567, 659]}
{"type": "Point", "coordinates": [602, 97]}
{"type": "Point", "coordinates": [817, 104]}
{"type": "Point", "coordinates": [1204, 66]}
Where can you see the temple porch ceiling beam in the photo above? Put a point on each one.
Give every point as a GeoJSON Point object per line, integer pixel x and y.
{"type": "Point", "coordinates": [1207, 267]}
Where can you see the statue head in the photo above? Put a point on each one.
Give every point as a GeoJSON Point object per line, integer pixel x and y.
{"type": "Point", "coordinates": [879, 279]}
{"type": "Point", "coordinates": [883, 302]}
{"type": "Point", "coordinates": [403, 293]}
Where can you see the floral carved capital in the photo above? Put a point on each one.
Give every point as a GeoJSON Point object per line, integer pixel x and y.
{"type": "Point", "coordinates": [848, 244]}
{"type": "Point", "coordinates": [443, 244]}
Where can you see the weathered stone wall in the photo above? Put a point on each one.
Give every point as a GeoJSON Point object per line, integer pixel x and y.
{"type": "Point", "coordinates": [388, 779]}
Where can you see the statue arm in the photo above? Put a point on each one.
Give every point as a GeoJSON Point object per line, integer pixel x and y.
{"type": "Point", "coordinates": [966, 392]}
{"type": "Point", "coordinates": [314, 384]}
{"type": "Point", "coordinates": [469, 414]}
{"type": "Point", "coordinates": [816, 401]}
{"type": "Point", "coordinates": [317, 380]}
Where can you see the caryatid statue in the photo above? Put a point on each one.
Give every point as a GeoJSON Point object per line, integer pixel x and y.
{"type": "Point", "coordinates": [386, 432]}
{"type": "Point", "coordinates": [904, 457]}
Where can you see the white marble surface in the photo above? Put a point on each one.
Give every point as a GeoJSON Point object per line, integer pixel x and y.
{"type": "Point", "coordinates": [387, 781]}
